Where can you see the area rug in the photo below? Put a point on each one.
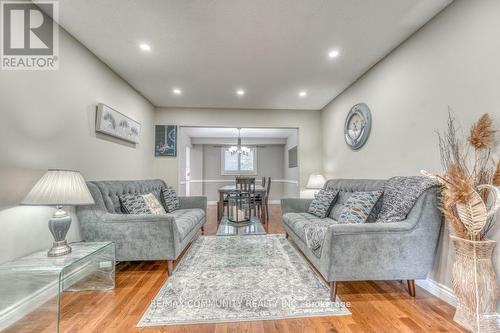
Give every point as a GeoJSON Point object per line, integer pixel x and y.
{"type": "Point", "coordinates": [240, 278]}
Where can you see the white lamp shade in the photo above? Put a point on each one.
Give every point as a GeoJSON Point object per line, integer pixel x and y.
{"type": "Point", "coordinates": [60, 188]}
{"type": "Point", "coordinates": [316, 181]}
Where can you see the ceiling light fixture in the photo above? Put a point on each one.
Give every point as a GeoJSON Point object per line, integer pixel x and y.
{"type": "Point", "coordinates": [333, 54]}
{"type": "Point", "coordinates": [303, 93]}
{"type": "Point", "coordinates": [177, 91]}
{"type": "Point", "coordinates": [239, 149]}
{"type": "Point", "coordinates": [240, 92]}
{"type": "Point", "coordinates": [145, 47]}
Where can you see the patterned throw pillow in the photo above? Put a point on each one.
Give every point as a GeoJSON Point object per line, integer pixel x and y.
{"type": "Point", "coordinates": [358, 207]}
{"type": "Point", "coordinates": [338, 207]}
{"type": "Point", "coordinates": [153, 204]}
{"type": "Point", "coordinates": [322, 203]}
{"type": "Point", "coordinates": [134, 204]}
{"type": "Point", "coordinates": [170, 199]}
{"type": "Point", "coordinates": [400, 194]}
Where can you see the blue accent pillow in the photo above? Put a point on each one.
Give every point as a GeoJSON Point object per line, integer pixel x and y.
{"type": "Point", "coordinates": [170, 199]}
{"type": "Point", "coordinates": [358, 207]}
{"type": "Point", "coordinates": [322, 203]}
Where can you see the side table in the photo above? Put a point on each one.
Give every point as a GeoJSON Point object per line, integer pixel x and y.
{"type": "Point", "coordinates": [31, 287]}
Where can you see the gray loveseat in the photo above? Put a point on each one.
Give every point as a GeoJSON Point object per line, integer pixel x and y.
{"type": "Point", "coordinates": [140, 237]}
{"type": "Point", "coordinates": [371, 251]}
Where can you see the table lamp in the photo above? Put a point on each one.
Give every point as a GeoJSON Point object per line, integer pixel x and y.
{"type": "Point", "coordinates": [316, 181]}
{"type": "Point", "coordinates": [59, 188]}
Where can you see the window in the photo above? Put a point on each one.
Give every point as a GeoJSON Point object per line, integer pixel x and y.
{"type": "Point", "coordinates": [239, 164]}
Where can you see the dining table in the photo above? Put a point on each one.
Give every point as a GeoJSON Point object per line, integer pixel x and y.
{"type": "Point", "coordinates": [259, 189]}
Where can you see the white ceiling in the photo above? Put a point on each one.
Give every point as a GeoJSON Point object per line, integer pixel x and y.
{"type": "Point", "coordinates": [226, 132]}
{"type": "Point", "coordinates": [271, 49]}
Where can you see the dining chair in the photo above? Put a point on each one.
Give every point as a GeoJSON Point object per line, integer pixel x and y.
{"type": "Point", "coordinates": [244, 193]}
{"type": "Point", "coordinates": [266, 199]}
{"type": "Point", "coordinates": [262, 201]}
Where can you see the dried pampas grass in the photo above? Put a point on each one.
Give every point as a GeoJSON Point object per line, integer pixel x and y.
{"type": "Point", "coordinates": [482, 133]}
{"type": "Point", "coordinates": [496, 176]}
{"type": "Point", "coordinates": [460, 188]}
{"type": "Point", "coordinates": [465, 174]}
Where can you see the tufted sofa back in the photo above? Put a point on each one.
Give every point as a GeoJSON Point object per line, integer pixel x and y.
{"type": "Point", "coordinates": [110, 190]}
{"type": "Point", "coordinates": [353, 185]}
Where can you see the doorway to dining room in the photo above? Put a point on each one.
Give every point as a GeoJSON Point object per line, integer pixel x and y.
{"type": "Point", "coordinates": [212, 157]}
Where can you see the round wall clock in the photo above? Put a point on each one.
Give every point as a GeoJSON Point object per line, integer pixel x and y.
{"type": "Point", "coordinates": [357, 126]}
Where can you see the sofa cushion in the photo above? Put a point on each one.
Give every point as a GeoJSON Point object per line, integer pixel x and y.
{"type": "Point", "coordinates": [400, 194]}
{"type": "Point", "coordinates": [339, 204]}
{"type": "Point", "coordinates": [170, 199]}
{"type": "Point", "coordinates": [310, 228]}
{"type": "Point", "coordinates": [153, 204]}
{"type": "Point", "coordinates": [322, 203]}
{"type": "Point", "coordinates": [186, 220]}
{"type": "Point", "coordinates": [134, 204]}
{"type": "Point", "coordinates": [359, 206]}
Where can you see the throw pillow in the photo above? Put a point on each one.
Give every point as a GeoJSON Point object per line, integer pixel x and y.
{"type": "Point", "coordinates": [338, 207]}
{"type": "Point", "coordinates": [153, 204]}
{"type": "Point", "coordinates": [134, 204]}
{"type": "Point", "coordinates": [376, 209]}
{"type": "Point", "coordinates": [400, 194]}
{"type": "Point", "coordinates": [322, 203]}
{"type": "Point", "coordinates": [170, 199]}
{"type": "Point", "coordinates": [358, 207]}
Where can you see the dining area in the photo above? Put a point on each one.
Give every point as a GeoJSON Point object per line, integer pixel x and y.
{"type": "Point", "coordinates": [243, 207]}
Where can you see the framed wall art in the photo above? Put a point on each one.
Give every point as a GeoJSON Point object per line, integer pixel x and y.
{"type": "Point", "coordinates": [166, 140]}
{"type": "Point", "coordinates": [116, 124]}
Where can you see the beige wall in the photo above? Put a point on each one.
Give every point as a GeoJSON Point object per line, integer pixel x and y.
{"type": "Point", "coordinates": [308, 123]}
{"type": "Point", "coordinates": [47, 121]}
{"type": "Point", "coordinates": [453, 61]}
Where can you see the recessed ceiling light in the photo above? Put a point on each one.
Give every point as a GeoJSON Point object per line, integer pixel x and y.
{"type": "Point", "coordinates": [303, 93]}
{"type": "Point", "coordinates": [177, 91]}
{"type": "Point", "coordinates": [333, 54]}
{"type": "Point", "coordinates": [145, 47]}
{"type": "Point", "coordinates": [240, 92]}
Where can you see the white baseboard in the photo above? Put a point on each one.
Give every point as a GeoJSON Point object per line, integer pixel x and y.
{"type": "Point", "coordinates": [439, 290]}
{"type": "Point", "coordinates": [33, 301]}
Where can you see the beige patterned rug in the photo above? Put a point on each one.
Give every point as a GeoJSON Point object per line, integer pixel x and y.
{"type": "Point", "coordinates": [241, 278]}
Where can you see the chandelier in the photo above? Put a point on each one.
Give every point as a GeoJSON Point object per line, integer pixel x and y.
{"type": "Point", "coordinates": [239, 149]}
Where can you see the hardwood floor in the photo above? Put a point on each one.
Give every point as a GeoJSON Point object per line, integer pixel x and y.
{"type": "Point", "coordinates": [382, 306]}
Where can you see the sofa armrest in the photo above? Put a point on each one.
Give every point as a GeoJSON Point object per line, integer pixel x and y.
{"type": "Point", "coordinates": [295, 205]}
{"type": "Point", "coordinates": [371, 228]}
{"type": "Point", "coordinates": [136, 218]}
{"type": "Point", "coordinates": [194, 202]}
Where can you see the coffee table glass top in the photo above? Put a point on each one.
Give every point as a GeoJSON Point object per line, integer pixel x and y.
{"type": "Point", "coordinates": [228, 228]}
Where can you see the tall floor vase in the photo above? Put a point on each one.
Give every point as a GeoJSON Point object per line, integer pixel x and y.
{"type": "Point", "coordinates": [475, 285]}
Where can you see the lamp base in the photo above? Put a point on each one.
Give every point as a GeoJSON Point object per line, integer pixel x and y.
{"type": "Point", "coordinates": [59, 225]}
{"type": "Point", "coordinates": [59, 249]}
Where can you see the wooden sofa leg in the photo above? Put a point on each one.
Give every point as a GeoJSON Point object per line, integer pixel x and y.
{"type": "Point", "coordinates": [411, 288]}
{"type": "Point", "coordinates": [170, 267]}
{"type": "Point", "coordinates": [203, 229]}
{"type": "Point", "coordinates": [333, 291]}
{"type": "Point", "coordinates": [286, 235]}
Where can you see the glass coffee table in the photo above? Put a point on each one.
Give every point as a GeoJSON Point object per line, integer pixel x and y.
{"type": "Point", "coordinates": [31, 287]}
{"type": "Point", "coordinates": [228, 228]}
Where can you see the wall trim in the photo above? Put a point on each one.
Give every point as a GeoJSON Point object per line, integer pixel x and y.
{"type": "Point", "coordinates": [287, 181]}
{"type": "Point", "coordinates": [271, 202]}
{"type": "Point", "coordinates": [441, 291]}
{"type": "Point", "coordinates": [31, 302]}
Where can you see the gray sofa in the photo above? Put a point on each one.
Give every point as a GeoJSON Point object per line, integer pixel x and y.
{"type": "Point", "coordinates": [140, 237]}
{"type": "Point", "coordinates": [371, 251]}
